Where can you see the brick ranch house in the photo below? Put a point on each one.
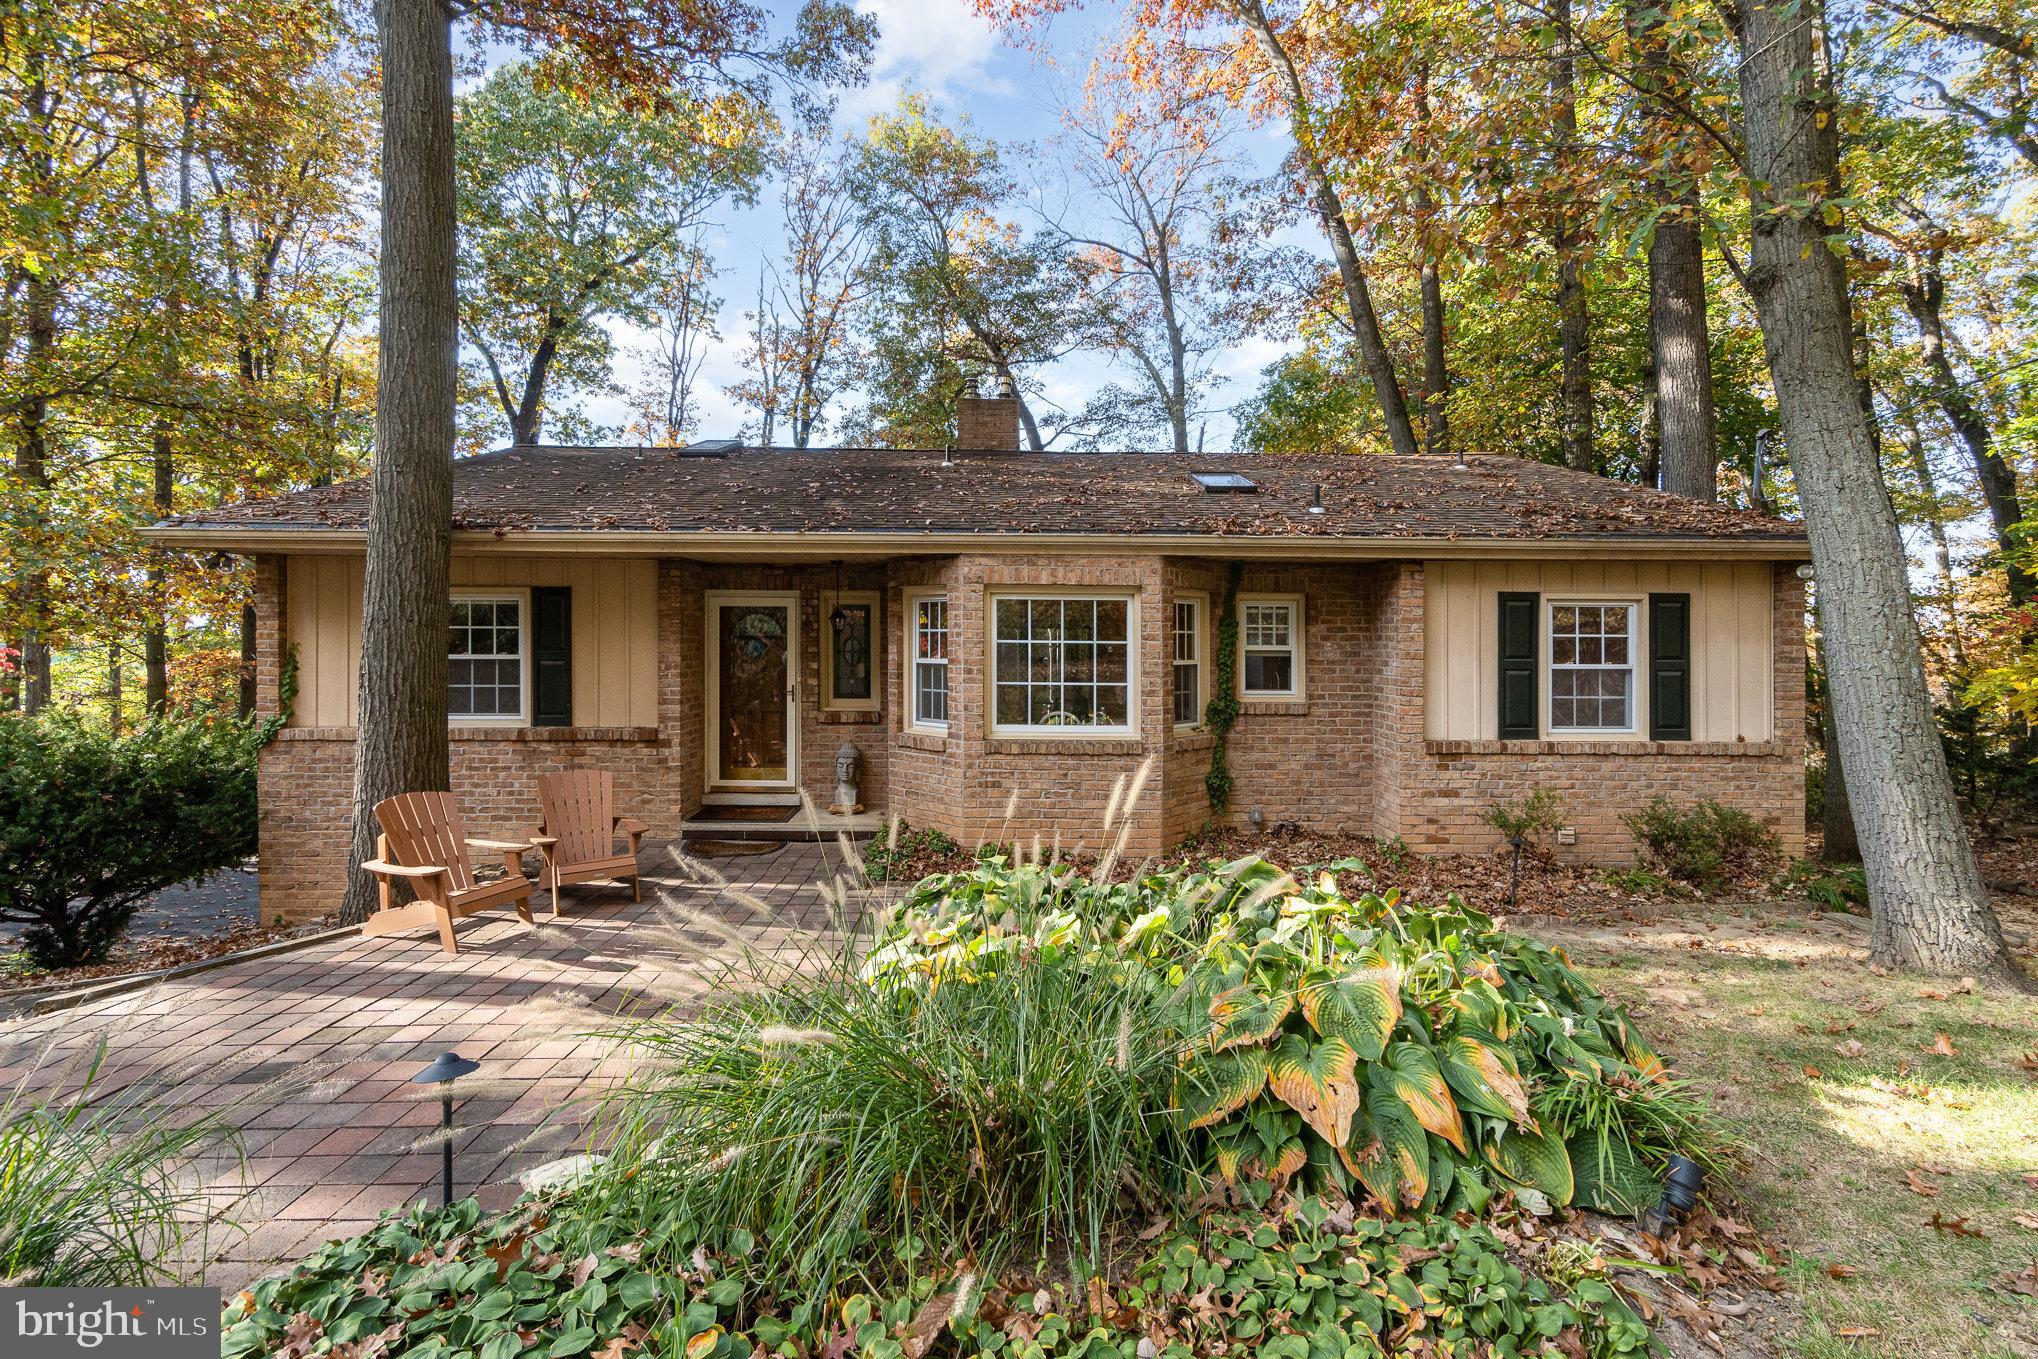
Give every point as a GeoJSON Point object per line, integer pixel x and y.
{"type": "Point", "coordinates": [1003, 636]}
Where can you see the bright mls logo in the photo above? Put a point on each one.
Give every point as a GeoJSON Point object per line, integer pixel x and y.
{"type": "Point", "coordinates": [109, 1323]}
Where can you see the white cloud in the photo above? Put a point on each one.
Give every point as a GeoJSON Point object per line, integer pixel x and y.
{"type": "Point", "coordinates": [938, 46]}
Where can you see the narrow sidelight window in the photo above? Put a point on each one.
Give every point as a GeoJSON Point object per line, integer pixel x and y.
{"type": "Point", "coordinates": [1592, 667]}
{"type": "Point", "coordinates": [1188, 662]}
{"type": "Point", "coordinates": [930, 662]}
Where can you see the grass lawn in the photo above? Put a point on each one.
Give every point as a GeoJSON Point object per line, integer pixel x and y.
{"type": "Point", "coordinates": [1862, 1124]}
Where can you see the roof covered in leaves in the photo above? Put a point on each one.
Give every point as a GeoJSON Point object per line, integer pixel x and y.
{"type": "Point", "coordinates": [893, 492]}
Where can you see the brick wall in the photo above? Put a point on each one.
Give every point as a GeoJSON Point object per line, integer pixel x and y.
{"type": "Point", "coordinates": [983, 422]}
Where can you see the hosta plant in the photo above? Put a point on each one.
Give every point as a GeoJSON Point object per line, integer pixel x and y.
{"type": "Point", "coordinates": [1362, 1040]}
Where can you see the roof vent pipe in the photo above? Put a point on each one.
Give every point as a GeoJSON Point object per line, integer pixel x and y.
{"type": "Point", "coordinates": [1316, 501]}
{"type": "Point", "coordinates": [1461, 465]}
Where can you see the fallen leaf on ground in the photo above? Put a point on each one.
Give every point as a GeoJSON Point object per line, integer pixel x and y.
{"type": "Point", "coordinates": [1942, 1045]}
{"type": "Point", "coordinates": [1857, 1332]}
{"type": "Point", "coordinates": [1919, 1186]}
{"type": "Point", "coordinates": [1851, 1048]}
{"type": "Point", "coordinates": [1842, 1271]}
{"type": "Point", "coordinates": [2028, 1221]}
{"type": "Point", "coordinates": [2024, 1281]}
{"type": "Point", "coordinates": [1811, 1073]}
{"type": "Point", "coordinates": [1959, 1226]}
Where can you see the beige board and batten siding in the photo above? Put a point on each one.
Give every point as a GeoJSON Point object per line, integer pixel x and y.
{"type": "Point", "coordinates": [615, 631]}
{"type": "Point", "coordinates": [1732, 632]}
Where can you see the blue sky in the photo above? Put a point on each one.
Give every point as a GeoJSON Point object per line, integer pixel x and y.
{"type": "Point", "coordinates": [944, 49]}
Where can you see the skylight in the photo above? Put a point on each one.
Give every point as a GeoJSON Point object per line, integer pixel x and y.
{"type": "Point", "coordinates": [1236, 483]}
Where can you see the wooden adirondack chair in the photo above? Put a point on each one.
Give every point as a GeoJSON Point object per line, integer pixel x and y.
{"type": "Point", "coordinates": [423, 842]}
{"type": "Point", "coordinates": [578, 834]}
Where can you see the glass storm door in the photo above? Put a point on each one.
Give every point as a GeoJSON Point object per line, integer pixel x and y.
{"type": "Point", "coordinates": [751, 712]}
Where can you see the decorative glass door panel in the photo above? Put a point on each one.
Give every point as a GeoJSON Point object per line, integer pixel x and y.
{"type": "Point", "coordinates": [753, 659]}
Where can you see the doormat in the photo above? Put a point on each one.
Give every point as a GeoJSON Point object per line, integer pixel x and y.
{"type": "Point", "coordinates": [714, 813]}
{"type": "Point", "coordinates": [730, 849]}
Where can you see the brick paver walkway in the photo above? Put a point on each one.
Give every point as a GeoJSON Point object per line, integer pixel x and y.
{"type": "Point", "coordinates": [312, 1051]}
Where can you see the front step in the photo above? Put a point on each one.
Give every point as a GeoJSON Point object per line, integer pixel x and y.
{"type": "Point", "coordinates": [799, 829]}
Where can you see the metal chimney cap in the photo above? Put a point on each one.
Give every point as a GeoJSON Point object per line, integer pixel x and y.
{"type": "Point", "coordinates": [1006, 389]}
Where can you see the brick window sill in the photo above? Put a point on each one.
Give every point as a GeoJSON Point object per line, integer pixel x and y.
{"type": "Point", "coordinates": [1273, 707]}
{"type": "Point", "coordinates": [1076, 746]}
{"type": "Point", "coordinates": [920, 740]}
{"type": "Point", "coordinates": [1187, 740]}
{"type": "Point", "coordinates": [608, 735]}
{"type": "Point", "coordinates": [1675, 749]}
{"type": "Point", "coordinates": [851, 717]}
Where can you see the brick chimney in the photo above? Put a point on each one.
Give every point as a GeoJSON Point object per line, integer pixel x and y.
{"type": "Point", "coordinates": [988, 422]}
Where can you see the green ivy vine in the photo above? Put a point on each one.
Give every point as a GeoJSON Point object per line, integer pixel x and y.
{"type": "Point", "coordinates": [1222, 710]}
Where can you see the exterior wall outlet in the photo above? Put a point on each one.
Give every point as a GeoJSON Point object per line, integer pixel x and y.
{"type": "Point", "coordinates": [1567, 835]}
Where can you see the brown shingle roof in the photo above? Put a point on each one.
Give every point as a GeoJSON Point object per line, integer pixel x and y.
{"type": "Point", "coordinates": [907, 491]}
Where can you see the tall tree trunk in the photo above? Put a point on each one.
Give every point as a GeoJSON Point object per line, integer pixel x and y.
{"type": "Point", "coordinates": [1574, 322]}
{"type": "Point", "coordinates": [1836, 815]}
{"type": "Point", "coordinates": [1924, 295]}
{"type": "Point", "coordinates": [1685, 449]}
{"type": "Point", "coordinates": [1931, 911]}
{"type": "Point", "coordinates": [247, 676]}
{"type": "Point", "coordinates": [1942, 545]}
{"type": "Point", "coordinates": [1436, 373]}
{"type": "Point", "coordinates": [1680, 350]}
{"type": "Point", "coordinates": [1330, 210]}
{"type": "Point", "coordinates": [156, 632]}
{"type": "Point", "coordinates": [1649, 434]}
{"type": "Point", "coordinates": [405, 601]}
{"type": "Point", "coordinates": [114, 689]}
{"type": "Point", "coordinates": [31, 446]}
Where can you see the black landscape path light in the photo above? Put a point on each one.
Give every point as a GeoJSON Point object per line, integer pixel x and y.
{"type": "Point", "coordinates": [444, 1070]}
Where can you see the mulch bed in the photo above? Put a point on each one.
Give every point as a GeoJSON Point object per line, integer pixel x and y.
{"type": "Point", "coordinates": [135, 955]}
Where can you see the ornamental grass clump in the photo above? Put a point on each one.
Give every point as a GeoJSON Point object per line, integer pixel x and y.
{"type": "Point", "coordinates": [830, 1119]}
{"type": "Point", "coordinates": [95, 1184]}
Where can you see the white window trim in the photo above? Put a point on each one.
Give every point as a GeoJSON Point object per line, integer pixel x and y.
{"type": "Point", "coordinates": [1298, 638]}
{"type": "Point", "coordinates": [1130, 727]}
{"type": "Point", "coordinates": [830, 703]}
{"type": "Point", "coordinates": [522, 717]}
{"type": "Point", "coordinates": [1639, 673]}
{"type": "Point", "coordinates": [910, 656]}
{"type": "Point", "coordinates": [1202, 604]}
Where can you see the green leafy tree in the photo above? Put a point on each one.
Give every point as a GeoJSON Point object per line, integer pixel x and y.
{"type": "Point", "coordinates": [575, 205]}
{"type": "Point", "coordinates": [959, 286]}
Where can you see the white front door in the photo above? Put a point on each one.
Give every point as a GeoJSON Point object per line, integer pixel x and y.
{"type": "Point", "coordinates": [753, 663]}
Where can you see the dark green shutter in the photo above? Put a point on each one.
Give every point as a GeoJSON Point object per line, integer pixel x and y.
{"type": "Point", "coordinates": [1520, 714]}
{"type": "Point", "coordinates": [1669, 667]}
{"type": "Point", "coordinates": [552, 656]}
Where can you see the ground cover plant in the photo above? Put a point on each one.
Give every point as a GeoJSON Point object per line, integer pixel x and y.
{"type": "Point", "coordinates": [1201, 1111]}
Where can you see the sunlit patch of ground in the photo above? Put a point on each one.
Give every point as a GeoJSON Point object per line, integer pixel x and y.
{"type": "Point", "coordinates": [1863, 1124]}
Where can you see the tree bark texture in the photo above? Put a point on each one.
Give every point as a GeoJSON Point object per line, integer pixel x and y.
{"type": "Point", "coordinates": [1574, 322]}
{"type": "Point", "coordinates": [1836, 817]}
{"type": "Point", "coordinates": [156, 632]}
{"type": "Point", "coordinates": [1680, 349]}
{"type": "Point", "coordinates": [402, 745]}
{"type": "Point", "coordinates": [1931, 911]}
{"type": "Point", "coordinates": [1436, 373]}
{"type": "Point", "coordinates": [1924, 295]}
{"type": "Point", "coordinates": [1373, 349]}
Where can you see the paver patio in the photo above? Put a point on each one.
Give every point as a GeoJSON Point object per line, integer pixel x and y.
{"type": "Point", "coordinates": [313, 1050]}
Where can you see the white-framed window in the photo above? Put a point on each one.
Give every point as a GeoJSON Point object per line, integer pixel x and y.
{"type": "Point", "coordinates": [1188, 660]}
{"type": "Point", "coordinates": [1061, 663]}
{"type": "Point", "coordinates": [927, 662]}
{"type": "Point", "coordinates": [1592, 665]}
{"type": "Point", "coordinates": [487, 657]}
{"type": "Point", "coordinates": [1270, 646]}
{"type": "Point", "coordinates": [849, 674]}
